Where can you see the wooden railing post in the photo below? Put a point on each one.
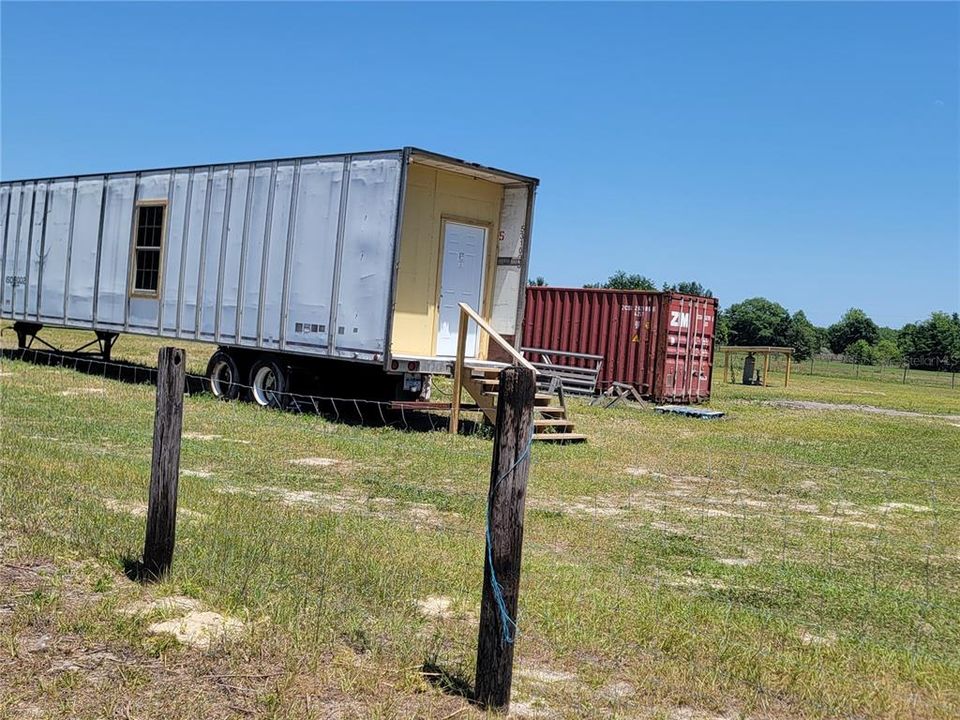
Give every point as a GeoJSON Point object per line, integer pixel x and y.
{"type": "Point", "coordinates": [501, 568]}
{"type": "Point", "coordinates": [463, 326]}
{"type": "Point", "coordinates": [165, 468]}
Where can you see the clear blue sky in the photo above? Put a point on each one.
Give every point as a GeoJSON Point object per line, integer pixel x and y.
{"type": "Point", "coordinates": [804, 152]}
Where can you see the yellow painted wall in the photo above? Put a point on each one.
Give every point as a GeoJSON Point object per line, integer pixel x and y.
{"type": "Point", "coordinates": [432, 196]}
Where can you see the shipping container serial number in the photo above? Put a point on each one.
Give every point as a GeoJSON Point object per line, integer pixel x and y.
{"type": "Point", "coordinates": [15, 280]}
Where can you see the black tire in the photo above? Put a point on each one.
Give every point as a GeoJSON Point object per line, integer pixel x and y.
{"type": "Point", "coordinates": [223, 376]}
{"type": "Point", "coordinates": [268, 385]}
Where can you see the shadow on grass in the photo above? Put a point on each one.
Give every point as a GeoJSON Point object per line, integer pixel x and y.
{"type": "Point", "coordinates": [88, 364]}
{"type": "Point", "coordinates": [450, 682]}
{"type": "Point", "coordinates": [136, 571]}
{"type": "Point", "coordinates": [358, 412]}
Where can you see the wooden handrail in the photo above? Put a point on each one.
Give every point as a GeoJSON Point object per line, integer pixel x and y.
{"type": "Point", "coordinates": [494, 335]}
{"type": "Point", "coordinates": [467, 314]}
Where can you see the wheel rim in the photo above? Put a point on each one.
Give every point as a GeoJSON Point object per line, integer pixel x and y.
{"type": "Point", "coordinates": [265, 386]}
{"type": "Point", "coordinates": [221, 379]}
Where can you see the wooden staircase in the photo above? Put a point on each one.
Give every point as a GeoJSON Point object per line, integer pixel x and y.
{"type": "Point", "coordinates": [550, 423]}
{"type": "Point", "coordinates": [481, 379]}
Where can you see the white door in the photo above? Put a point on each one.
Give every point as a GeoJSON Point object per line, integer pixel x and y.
{"type": "Point", "coordinates": [461, 281]}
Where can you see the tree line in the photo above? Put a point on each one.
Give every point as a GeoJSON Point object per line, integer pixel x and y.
{"type": "Point", "coordinates": [932, 344]}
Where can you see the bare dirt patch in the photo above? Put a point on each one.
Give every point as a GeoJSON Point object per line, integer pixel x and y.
{"type": "Point", "coordinates": [171, 604]}
{"type": "Point", "coordinates": [127, 508]}
{"type": "Point", "coordinates": [196, 473]}
{"type": "Point", "coordinates": [73, 392]}
{"type": "Point", "coordinates": [851, 407]}
{"type": "Point", "coordinates": [688, 713]}
{"type": "Point", "coordinates": [530, 709]}
{"type": "Point", "coordinates": [545, 675]}
{"type": "Point", "coordinates": [200, 628]}
{"type": "Point", "coordinates": [314, 462]}
{"type": "Point", "coordinates": [139, 510]}
{"type": "Point", "coordinates": [813, 640]}
{"type": "Point", "coordinates": [904, 506]}
{"type": "Point", "coordinates": [439, 607]}
{"type": "Point", "coordinates": [208, 438]}
{"type": "Point", "coordinates": [618, 691]}
{"type": "Point", "coordinates": [737, 562]}
{"type": "Point", "coordinates": [351, 501]}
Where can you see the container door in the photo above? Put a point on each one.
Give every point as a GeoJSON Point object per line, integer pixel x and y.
{"type": "Point", "coordinates": [461, 281]}
{"type": "Point", "coordinates": [687, 351]}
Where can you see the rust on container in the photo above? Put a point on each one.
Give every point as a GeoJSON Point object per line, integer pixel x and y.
{"type": "Point", "coordinates": [661, 343]}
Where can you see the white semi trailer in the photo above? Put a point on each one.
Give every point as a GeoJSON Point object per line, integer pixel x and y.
{"type": "Point", "coordinates": [306, 273]}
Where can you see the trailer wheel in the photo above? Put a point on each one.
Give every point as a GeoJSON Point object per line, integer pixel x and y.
{"type": "Point", "coordinates": [268, 384]}
{"type": "Point", "coordinates": [223, 374]}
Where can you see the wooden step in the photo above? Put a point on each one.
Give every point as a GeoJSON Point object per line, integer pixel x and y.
{"type": "Point", "coordinates": [564, 437]}
{"type": "Point", "coordinates": [552, 410]}
{"type": "Point", "coordinates": [540, 400]}
{"type": "Point", "coordinates": [552, 422]}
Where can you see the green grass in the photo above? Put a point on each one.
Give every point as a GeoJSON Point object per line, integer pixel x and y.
{"type": "Point", "coordinates": [757, 565]}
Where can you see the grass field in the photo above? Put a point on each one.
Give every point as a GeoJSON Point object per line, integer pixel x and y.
{"type": "Point", "coordinates": [792, 560]}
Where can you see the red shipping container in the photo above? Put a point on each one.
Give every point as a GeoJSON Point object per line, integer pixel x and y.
{"type": "Point", "coordinates": [659, 342]}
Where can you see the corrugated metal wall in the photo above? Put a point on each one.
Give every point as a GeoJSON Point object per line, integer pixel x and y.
{"type": "Point", "coordinates": [292, 255]}
{"type": "Point", "coordinates": [661, 343]}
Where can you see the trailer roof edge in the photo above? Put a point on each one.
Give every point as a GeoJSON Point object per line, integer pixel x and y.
{"type": "Point", "coordinates": [455, 164]}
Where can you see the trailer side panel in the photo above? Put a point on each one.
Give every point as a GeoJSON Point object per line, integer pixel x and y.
{"type": "Point", "coordinates": [293, 255]}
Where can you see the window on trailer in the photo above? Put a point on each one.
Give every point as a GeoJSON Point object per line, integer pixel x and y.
{"type": "Point", "coordinates": [147, 248]}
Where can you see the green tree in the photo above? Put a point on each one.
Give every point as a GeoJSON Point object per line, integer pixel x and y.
{"type": "Point", "coordinates": [887, 352]}
{"type": "Point", "coordinates": [888, 333]}
{"type": "Point", "coordinates": [853, 326]}
{"type": "Point", "coordinates": [860, 352]}
{"type": "Point", "coordinates": [933, 343]}
{"type": "Point", "coordinates": [802, 336]}
{"type": "Point", "coordinates": [721, 331]}
{"type": "Point", "coordinates": [757, 321]}
{"type": "Point", "coordinates": [688, 288]}
{"type": "Point", "coordinates": [537, 282]}
{"type": "Point", "coordinates": [620, 280]}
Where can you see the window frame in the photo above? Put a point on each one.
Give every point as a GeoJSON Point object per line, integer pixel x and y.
{"type": "Point", "coordinates": [134, 249]}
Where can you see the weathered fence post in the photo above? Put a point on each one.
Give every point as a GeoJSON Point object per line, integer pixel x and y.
{"type": "Point", "coordinates": [165, 469]}
{"type": "Point", "coordinates": [501, 568]}
{"type": "Point", "coordinates": [905, 366]}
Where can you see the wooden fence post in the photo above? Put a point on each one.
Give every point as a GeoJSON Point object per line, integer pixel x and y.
{"type": "Point", "coordinates": [501, 567]}
{"type": "Point", "coordinates": [165, 469]}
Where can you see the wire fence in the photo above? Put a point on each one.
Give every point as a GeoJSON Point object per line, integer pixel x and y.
{"type": "Point", "coordinates": [313, 513]}
{"type": "Point", "coordinates": [838, 366]}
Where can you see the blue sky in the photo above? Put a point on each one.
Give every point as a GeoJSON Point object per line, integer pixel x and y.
{"type": "Point", "coordinates": [804, 152]}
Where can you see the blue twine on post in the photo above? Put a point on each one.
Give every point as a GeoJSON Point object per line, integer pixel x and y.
{"type": "Point", "coordinates": [508, 625]}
